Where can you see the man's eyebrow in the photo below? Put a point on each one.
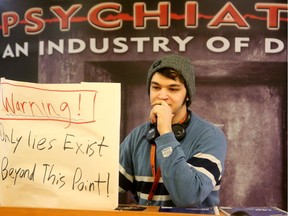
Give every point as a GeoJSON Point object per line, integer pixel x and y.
{"type": "Point", "coordinates": [174, 85]}
{"type": "Point", "coordinates": [171, 85]}
{"type": "Point", "coordinates": [153, 82]}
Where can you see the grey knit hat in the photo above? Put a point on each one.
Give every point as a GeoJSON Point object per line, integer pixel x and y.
{"type": "Point", "coordinates": [180, 64]}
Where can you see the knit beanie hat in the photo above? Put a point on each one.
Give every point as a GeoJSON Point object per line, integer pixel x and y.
{"type": "Point", "coordinates": [180, 64]}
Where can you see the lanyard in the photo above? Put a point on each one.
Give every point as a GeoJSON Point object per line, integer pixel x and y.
{"type": "Point", "coordinates": [156, 175]}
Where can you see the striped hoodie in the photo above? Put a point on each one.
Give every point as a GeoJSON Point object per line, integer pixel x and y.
{"type": "Point", "coordinates": [191, 168]}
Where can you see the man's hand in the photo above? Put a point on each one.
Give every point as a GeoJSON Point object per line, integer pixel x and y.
{"type": "Point", "coordinates": [161, 114]}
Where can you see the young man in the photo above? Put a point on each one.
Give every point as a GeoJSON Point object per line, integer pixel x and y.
{"type": "Point", "coordinates": [176, 159]}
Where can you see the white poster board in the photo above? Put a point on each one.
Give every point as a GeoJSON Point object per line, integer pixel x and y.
{"type": "Point", "coordinates": [59, 145]}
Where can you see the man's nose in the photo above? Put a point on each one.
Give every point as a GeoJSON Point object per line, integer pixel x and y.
{"type": "Point", "coordinates": [163, 94]}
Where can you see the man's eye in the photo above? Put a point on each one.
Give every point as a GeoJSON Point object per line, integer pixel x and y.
{"type": "Point", "coordinates": [155, 87]}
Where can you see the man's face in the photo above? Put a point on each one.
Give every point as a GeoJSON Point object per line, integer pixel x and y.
{"type": "Point", "coordinates": [173, 92]}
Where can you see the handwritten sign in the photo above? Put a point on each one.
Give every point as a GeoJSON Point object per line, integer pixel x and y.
{"type": "Point", "coordinates": [59, 145]}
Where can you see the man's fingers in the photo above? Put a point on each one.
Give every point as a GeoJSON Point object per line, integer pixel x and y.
{"type": "Point", "coordinates": [159, 102]}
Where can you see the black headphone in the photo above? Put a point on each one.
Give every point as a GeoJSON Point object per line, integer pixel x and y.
{"type": "Point", "coordinates": [179, 130]}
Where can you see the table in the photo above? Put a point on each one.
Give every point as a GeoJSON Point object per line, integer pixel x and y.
{"type": "Point", "coordinates": [149, 211]}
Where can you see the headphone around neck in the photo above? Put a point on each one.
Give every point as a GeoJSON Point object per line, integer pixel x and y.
{"type": "Point", "coordinates": [178, 129]}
